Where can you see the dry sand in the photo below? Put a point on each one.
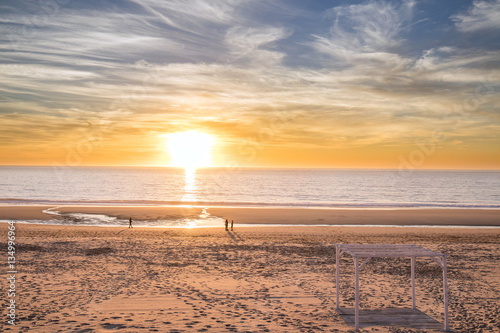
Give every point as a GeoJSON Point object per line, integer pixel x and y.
{"type": "Point", "coordinates": [259, 279]}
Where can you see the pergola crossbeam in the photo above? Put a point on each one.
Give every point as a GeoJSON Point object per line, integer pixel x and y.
{"type": "Point", "coordinates": [438, 261]}
{"type": "Point", "coordinates": [365, 262]}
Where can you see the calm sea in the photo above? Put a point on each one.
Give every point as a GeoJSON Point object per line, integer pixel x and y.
{"type": "Point", "coordinates": [249, 187]}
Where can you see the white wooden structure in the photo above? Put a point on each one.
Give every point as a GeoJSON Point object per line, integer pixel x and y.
{"type": "Point", "coordinates": [368, 251]}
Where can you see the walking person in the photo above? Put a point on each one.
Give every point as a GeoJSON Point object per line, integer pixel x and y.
{"type": "Point", "coordinates": [232, 223]}
{"type": "Point", "coordinates": [227, 223]}
{"type": "Point", "coordinates": [130, 223]}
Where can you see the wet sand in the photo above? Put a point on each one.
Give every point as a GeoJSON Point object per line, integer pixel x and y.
{"type": "Point", "coordinates": [255, 279]}
{"type": "Point", "coordinates": [468, 217]}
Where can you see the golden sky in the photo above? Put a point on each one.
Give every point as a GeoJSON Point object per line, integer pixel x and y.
{"type": "Point", "coordinates": [346, 84]}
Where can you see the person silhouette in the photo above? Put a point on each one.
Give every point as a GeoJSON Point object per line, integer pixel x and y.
{"type": "Point", "coordinates": [130, 223]}
{"type": "Point", "coordinates": [232, 222]}
{"type": "Point", "coordinates": [227, 223]}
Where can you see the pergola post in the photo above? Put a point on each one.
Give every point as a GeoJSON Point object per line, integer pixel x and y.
{"type": "Point", "coordinates": [337, 269]}
{"type": "Point", "coordinates": [413, 305]}
{"type": "Point", "coordinates": [445, 291]}
{"type": "Point", "coordinates": [356, 305]}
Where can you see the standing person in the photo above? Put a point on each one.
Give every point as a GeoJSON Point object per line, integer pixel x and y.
{"type": "Point", "coordinates": [227, 223]}
{"type": "Point", "coordinates": [232, 222]}
{"type": "Point", "coordinates": [130, 223]}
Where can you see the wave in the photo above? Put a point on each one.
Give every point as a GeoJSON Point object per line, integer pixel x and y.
{"type": "Point", "coordinates": [332, 205]}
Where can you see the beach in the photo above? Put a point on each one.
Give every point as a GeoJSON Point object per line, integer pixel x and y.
{"type": "Point", "coordinates": [254, 279]}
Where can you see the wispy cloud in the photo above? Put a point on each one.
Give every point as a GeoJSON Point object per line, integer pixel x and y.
{"type": "Point", "coordinates": [249, 43]}
{"type": "Point", "coordinates": [347, 76]}
{"type": "Point", "coordinates": [483, 15]}
{"type": "Point", "coordinates": [368, 32]}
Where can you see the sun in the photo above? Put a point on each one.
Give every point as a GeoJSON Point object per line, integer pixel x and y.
{"type": "Point", "coordinates": [190, 150]}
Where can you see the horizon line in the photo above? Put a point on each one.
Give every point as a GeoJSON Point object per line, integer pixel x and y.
{"type": "Point", "coordinates": [251, 167]}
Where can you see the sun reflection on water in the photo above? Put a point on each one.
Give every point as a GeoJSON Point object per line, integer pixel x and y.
{"type": "Point", "coordinates": [204, 219]}
{"type": "Point", "coordinates": [189, 185]}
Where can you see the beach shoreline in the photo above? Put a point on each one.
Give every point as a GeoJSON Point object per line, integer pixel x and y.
{"type": "Point", "coordinates": [269, 215]}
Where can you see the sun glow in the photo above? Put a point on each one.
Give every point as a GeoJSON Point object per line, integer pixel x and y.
{"type": "Point", "coordinates": [190, 150]}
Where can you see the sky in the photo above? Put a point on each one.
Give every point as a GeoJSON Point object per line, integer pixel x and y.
{"type": "Point", "coordinates": [327, 84]}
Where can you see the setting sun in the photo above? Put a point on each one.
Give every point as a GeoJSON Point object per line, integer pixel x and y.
{"type": "Point", "coordinates": [190, 149]}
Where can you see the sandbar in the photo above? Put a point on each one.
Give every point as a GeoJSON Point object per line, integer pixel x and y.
{"type": "Point", "coordinates": [291, 216]}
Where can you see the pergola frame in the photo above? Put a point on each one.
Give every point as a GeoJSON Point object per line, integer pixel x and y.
{"type": "Point", "coordinates": [368, 251]}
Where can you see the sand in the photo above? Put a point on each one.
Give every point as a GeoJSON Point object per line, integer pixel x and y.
{"type": "Point", "coordinates": [468, 217]}
{"type": "Point", "coordinates": [255, 279]}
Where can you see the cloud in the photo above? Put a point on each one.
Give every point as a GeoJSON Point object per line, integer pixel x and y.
{"type": "Point", "coordinates": [243, 41]}
{"type": "Point", "coordinates": [483, 15]}
{"type": "Point", "coordinates": [366, 32]}
{"type": "Point", "coordinates": [232, 68]}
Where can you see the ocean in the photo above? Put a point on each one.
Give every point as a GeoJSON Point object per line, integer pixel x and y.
{"type": "Point", "coordinates": [249, 187]}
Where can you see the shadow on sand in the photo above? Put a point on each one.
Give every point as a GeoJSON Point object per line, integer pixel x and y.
{"type": "Point", "coordinates": [122, 231]}
{"type": "Point", "coordinates": [399, 317]}
{"type": "Point", "coordinates": [234, 236]}
{"type": "Point", "coordinates": [237, 236]}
